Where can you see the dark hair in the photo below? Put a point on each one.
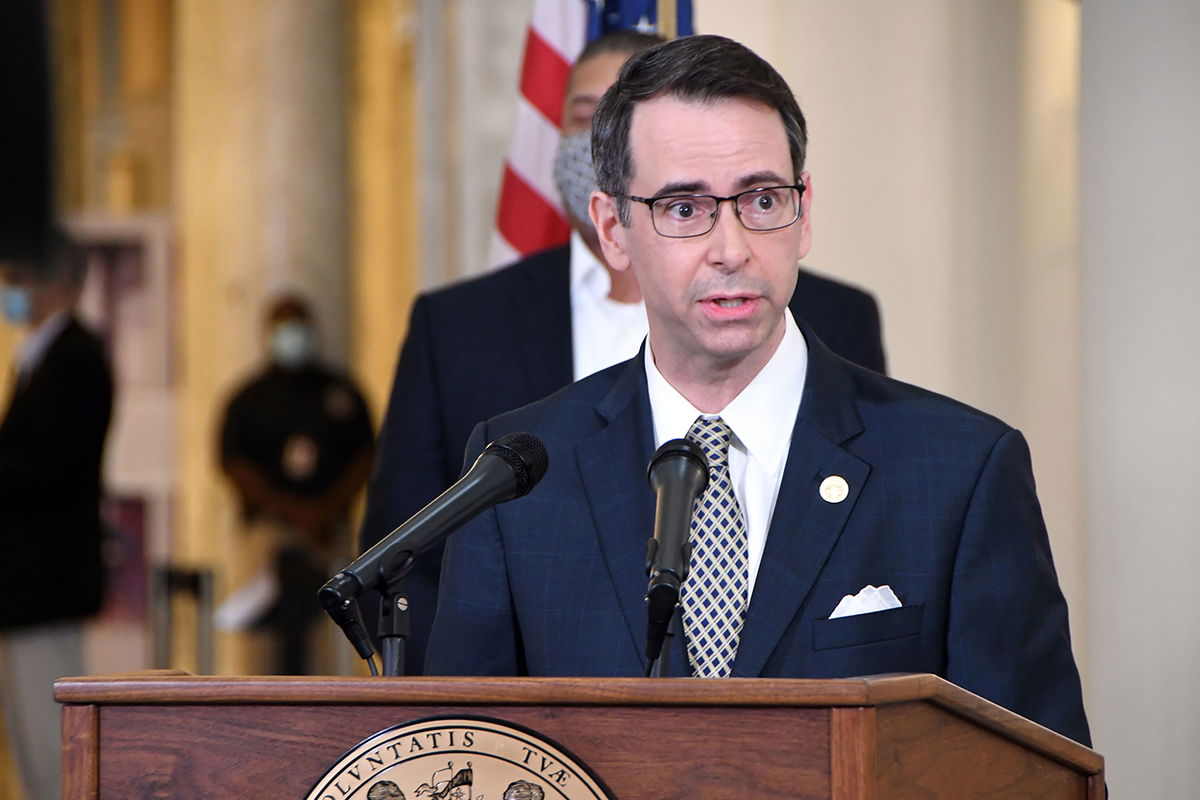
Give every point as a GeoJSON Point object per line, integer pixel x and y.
{"type": "Point", "coordinates": [55, 259]}
{"type": "Point", "coordinates": [65, 260]}
{"type": "Point", "coordinates": [696, 68]}
{"type": "Point", "coordinates": [627, 41]}
{"type": "Point", "coordinates": [288, 305]}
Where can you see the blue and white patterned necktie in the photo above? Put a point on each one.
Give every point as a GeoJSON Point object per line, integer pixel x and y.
{"type": "Point", "coordinates": [714, 596]}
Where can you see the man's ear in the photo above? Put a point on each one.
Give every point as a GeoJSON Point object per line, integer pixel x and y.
{"type": "Point", "coordinates": [612, 234]}
{"type": "Point", "coordinates": [805, 221]}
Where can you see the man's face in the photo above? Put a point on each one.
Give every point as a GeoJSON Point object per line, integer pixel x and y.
{"type": "Point", "coordinates": [715, 301]}
{"type": "Point", "coordinates": [589, 82]}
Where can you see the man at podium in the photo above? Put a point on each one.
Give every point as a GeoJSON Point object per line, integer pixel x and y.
{"type": "Point", "coordinates": [851, 524]}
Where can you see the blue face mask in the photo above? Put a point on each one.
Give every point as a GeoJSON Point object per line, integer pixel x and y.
{"type": "Point", "coordinates": [17, 303]}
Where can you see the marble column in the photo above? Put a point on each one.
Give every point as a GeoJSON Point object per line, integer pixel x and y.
{"type": "Point", "coordinates": [386, 191]}
{"type": "Point", "coordinates": [261, 206]}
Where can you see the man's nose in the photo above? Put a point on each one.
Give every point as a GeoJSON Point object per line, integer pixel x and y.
{"type": "Point", "coordinates": [728, 247]}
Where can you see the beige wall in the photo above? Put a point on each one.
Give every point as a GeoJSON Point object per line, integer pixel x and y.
{"type": "Point", "coordinates": [1141, 255]}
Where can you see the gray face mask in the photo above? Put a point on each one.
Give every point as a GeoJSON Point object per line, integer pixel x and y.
{"type": "Point", "coordinates": [573, 174]}
{"type": "Point", "coordinates": [293, 344]}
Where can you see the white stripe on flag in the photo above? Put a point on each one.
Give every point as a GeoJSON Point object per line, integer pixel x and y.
{"type": "Point", "coordinates": [562, 24]}
{"type": "Point", "coordinates": [532, 154]}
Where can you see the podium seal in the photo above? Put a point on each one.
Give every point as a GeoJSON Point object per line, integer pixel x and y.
{"type": "Point", "coordinates": [457, 758]}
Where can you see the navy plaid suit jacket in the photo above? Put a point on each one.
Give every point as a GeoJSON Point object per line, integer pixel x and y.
{"type": "Point", "coordinates": [942, 507]}
{"type": "Point", "coordinates": [495, 343]}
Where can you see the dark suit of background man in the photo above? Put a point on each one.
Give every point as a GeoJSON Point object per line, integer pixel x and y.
{"type": "Point", "coordinates": [844, 478]}
{"type": "Point", "coordinates": [506, 339]}
{"type": "Point", "coordinates": [51, 443]}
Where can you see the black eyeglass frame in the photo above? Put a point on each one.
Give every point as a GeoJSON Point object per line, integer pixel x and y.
{"type": "Point", "coordinates": [650, 201]}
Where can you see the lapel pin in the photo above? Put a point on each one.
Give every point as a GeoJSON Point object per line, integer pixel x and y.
{"type": "Point", "coordinates": [834, 489]}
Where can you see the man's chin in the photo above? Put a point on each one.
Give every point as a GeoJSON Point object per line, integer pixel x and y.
{"type": "Point", "coordinates": [733, 351]}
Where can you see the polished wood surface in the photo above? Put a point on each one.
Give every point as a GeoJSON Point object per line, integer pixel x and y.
{"type": "Point", "coordinates": [852, 753]}
{"type": "Point", "coordinates": [81, 751]}
{"type": "Point", "coordinates": [946, 756]}
{"type": "Point", "coordinates": [166, 734]}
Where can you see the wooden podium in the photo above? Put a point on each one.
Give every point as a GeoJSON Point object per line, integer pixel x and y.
{"type": "Point", "coordinates": [170, 735]}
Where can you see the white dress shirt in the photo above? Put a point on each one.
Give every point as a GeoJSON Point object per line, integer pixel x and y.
{"type": "Point", "coordinates": [761, 418]}
{"type": "Point", "coordinates": [34, 346]}
{"type": "Point", "coordinates": [603, 331]}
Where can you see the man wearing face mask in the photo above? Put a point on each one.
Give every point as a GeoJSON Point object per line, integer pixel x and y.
{"type": "Point", "coordinates": [52, 438]}
{"type": "Point", "coordinates": [297, 445]}
{"type": "Point", "coordinates": [506, 339]}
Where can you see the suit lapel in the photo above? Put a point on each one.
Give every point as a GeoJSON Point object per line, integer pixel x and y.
{"type": "Point", "coordinates": [612, 464]}
{"type": "Point", "coordinates": [24, 389]}
{"type": "Point", "coordinates": [804, 527]}
{"type": "Point", "coordinates": [545, 338]}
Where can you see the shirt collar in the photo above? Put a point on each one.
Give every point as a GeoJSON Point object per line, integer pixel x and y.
{"type": "Point", "coordinates": [587, 273]}
{"type": "Point", "coordinates": [33, 348]}
{"type": "Point", "coordinates": [761, 416]}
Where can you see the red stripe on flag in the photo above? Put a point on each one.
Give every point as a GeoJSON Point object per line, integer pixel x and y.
{"type": "Point", "coordinates": [525, 219]}
{"type": "Point", "coordinates": [544, 77]}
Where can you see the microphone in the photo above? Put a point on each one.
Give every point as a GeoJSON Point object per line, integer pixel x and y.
{"type": "Point", "coordinates": [678, 473]}
{"type": "Point", "coordinates": [507, 468]}
{"type": "Point", "coordinates": [347, 616]}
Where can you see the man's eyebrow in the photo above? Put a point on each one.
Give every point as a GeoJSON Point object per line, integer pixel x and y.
{"type": "Point", "coordinates": [682, 187]}
{"type": "Point", "coordinates": [764, 178]}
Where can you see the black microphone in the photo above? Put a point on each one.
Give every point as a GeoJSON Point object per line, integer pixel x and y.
{"type": "Point", "coordinates": [507, 468]}
{"type": "Point", "coordinates": [678, 473]}
{"type": "Point", "coordinates": [346, 614]}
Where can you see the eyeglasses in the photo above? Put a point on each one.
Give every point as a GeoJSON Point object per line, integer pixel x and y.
{"type": "Point", "coordinates": [682, 216]}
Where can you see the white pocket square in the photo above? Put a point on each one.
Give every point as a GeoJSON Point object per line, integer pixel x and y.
{"type": "Point", "coordinates": [868, 599]}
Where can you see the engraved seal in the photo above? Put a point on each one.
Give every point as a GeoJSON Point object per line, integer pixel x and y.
{"type": "Point", "coordinates": [457, 758]}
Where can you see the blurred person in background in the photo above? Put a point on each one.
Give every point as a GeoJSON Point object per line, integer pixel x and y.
{"type": "Point", "coordinates": [297, 444]}
{"type": "Point", "coordinates": [51, 446]}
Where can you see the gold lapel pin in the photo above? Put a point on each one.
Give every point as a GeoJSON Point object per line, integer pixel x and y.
{"type": "Point", "coordinates": [834, 489]}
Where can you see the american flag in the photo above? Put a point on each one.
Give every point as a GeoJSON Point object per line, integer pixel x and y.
{"type": "Point", "coordinates": [529, 216]}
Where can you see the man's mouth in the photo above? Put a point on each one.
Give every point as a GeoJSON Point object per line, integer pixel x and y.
{"type": "Point", "coordinates": [729, 308]}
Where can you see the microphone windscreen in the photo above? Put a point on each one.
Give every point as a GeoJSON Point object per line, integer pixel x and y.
{"type": "Point", "coordinates": [677, 449]}
{"type": "Point", "coordinates": [526, 454]}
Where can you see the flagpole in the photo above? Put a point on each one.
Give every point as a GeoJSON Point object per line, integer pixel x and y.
{"type": "Point", "coordinates": [668, 19]}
